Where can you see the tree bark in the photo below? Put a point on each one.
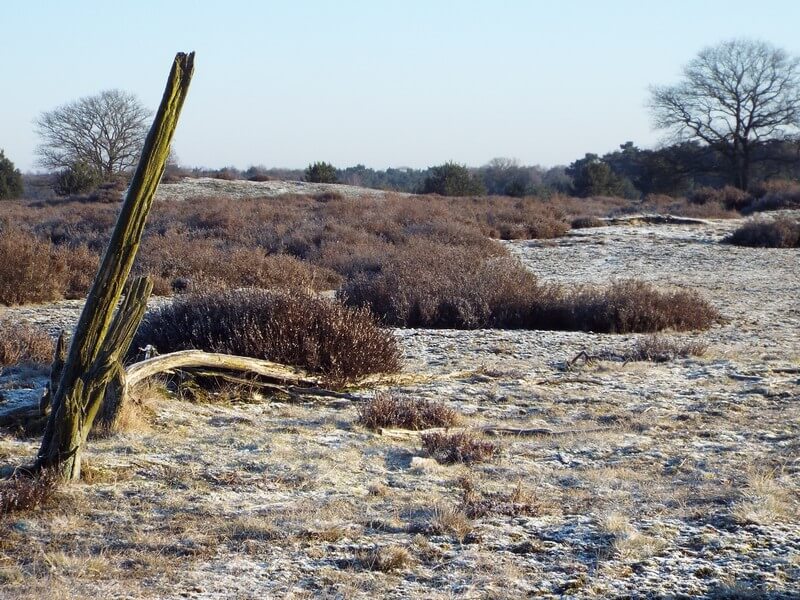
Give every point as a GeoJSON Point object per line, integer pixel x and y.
{"type": "Point", "coordinates": [95, 350]}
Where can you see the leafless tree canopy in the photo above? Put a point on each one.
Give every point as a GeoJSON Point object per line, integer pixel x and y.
{"type": "Point", "coordinates": [105, 131]}
{"type": "Point", "coordinates": [733, 97]}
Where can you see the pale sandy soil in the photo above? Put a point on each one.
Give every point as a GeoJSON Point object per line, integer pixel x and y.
{"type": "Point", "coordinates": [686, 484]}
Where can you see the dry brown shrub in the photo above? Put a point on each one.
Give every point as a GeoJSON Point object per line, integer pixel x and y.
{"type": "Point", "coordinates": [385, 410]}
{"type": "Point", "coordinates": [21, 342]}
{"type": "Point", "coordinates": [22, 493]}
{"type": "Point", "coordinates": [82, 265]}
{"type": "Point", "coordinates": [459, 447]}
{"type": "Point", "coordinates": [444, 287]}
{"type": "Point", "coordinates": [632, 306]}
{"type": "Point", "coordinates": [30, 270]}
{"type": "Point", "coordinates": [587, 222]}
{"type": "Point", "coordinates": [429, 285]}
{"type": "Point", "coordinates": [656, 348]}
{"type": "Point", "coordinates": [292, 328]}
{"type": "Point", "coordinates": [730, 197]}
{"type": "Point", "coordinates": [782, 232]}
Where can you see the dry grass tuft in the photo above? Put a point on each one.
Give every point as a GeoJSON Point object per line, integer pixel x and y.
{"type": "Point", "coordinates": [386, 409]}
{"type": "Point", "coordinates": [450, 520]}
{"type": "Point", "coordinates": [626, 542]}
{"type": "Point", "coordinates": [385, 559]}
{"type": "Point", "coordinates": [22, 493]}
{"type": "Point", "coordinates": [21, 343]}
{"type": "Point", "coordinates": [763, 501]}
{"type": "Point", "coordinates": [460, 447]}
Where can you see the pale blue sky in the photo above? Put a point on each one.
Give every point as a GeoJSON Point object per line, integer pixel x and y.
{"type": "Point", "coordinates": [412, 83]}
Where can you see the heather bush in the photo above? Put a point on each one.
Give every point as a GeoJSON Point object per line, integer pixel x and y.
{"type": "Point", "coordinates": [586, 222]}
{"type": "Point", "coordinates": [460, 447]}
{"type": "Point", "coordinates": [385, 410]}
{"type": "Point", "coordinates": [656, 348]}
{"type": "Point", "coordinates": [448, 288]}
{"type": "Point", "coordinates": [782, 232]}
{"type": "Point", "coordinates": [293, 328]}
{"type": "Point", "coordinates": [30, 270]}
{"type": "Point", "coordinates": [429, 285]}
{"type": "Point", "coordinates": [730, 197]}
{"type": "Point", "coordinates": [21, 343]}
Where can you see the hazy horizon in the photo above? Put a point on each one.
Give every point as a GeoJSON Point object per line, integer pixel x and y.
{"type": "Point", "coordinates": [410, 84]}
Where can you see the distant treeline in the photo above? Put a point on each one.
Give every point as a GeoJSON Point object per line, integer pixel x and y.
{"type": "Point", "coordinates": [629, 172]}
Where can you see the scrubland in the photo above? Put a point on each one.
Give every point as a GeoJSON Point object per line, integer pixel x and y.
{"type": "Point", "coordinates": [605, 411]}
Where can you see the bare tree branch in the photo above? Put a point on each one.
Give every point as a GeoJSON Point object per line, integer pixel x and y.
{"type": "Point", "coordinates": [733, 97]}
{"type": "Point", "coordinates": [105, 132]}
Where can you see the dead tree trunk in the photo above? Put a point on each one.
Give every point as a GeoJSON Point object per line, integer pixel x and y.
{"type": "Point", "coordinates": [102, 336]}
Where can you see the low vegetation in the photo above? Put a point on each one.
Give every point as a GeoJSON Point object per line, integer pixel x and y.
{"type": "Point", "coordinates": [459, 447]}
{"type": "Point", "coordinates": [656, 348]}
{"type": "Point", "coordinates": [457, 289]}
{"type": "Point", "coordinates": [782, 232]}
{"type": "Point", "coordinates": [293, 328]}
{"type": "Point", "coordinates": [22, 493]}
{"type": "Point", "coordinates": [386, 410]}
{"type": "Point", "coordinates": [23, 343]}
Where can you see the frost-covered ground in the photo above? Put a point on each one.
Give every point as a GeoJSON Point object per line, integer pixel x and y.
{"type": "Point", "coordinates": [677, 479]}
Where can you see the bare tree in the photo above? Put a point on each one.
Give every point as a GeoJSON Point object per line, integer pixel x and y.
{"type": "Point", "coordinates": [105, 132]}
{"type": "Point", "coordinates": [734, 97]}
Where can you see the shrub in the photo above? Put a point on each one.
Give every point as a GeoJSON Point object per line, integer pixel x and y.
{"type": "Point", "coordinates": [454, 288]}
{"type": "Point", "coordinates": [782, 232]}
{"type": "Point", "coordinates": [587, 222]}
{"type": "Point", "coordinates": [778, 199]}
{"type": "Point", "coordinates": [75, 179]}
{"type": "Point", "coordinates": [10, 179]}
{"type": "Point", "coordinates": [385, 410]}
{"type": "Point", "coordinates": [30, 270]}
{"type": "Point", "coordinates": [656, 348]}
{"type": "Point", "coordinates": [461, 447]}
{"type": "Point", "coordinates": [21, 342]}
{"type": "Point", "coordinates": [182, 262]}
{"type": "Point", "coordinates": [730, 197]}
{"type": "Point", "coordinates": [445, 287]}
{"type": "Point", "coordinates": [321, 172]}
{"type": "Point", "coordinates": [21, 493]}
{"type": "Point", "coordinates": [81, 268]}
{"type": "Point", "coordinates": [293, 328]}
{"type": "Point", "coordinates": [452, 179]}
{"type": "Point", "coordinates": [631, 306]}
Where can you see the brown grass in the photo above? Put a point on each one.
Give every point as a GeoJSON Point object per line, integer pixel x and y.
{"type": "Point", "coordinates": [460, 447]}
{"type": "Point", "coordinates": [21, 343]}
{"type": "Point", "coordinates": [386, 409]}
{"type": "Point", "coordinates": [293, 328]}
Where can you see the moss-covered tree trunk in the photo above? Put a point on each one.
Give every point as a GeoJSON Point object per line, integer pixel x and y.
{"type": "Point", "coordinates": [102, 335]}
